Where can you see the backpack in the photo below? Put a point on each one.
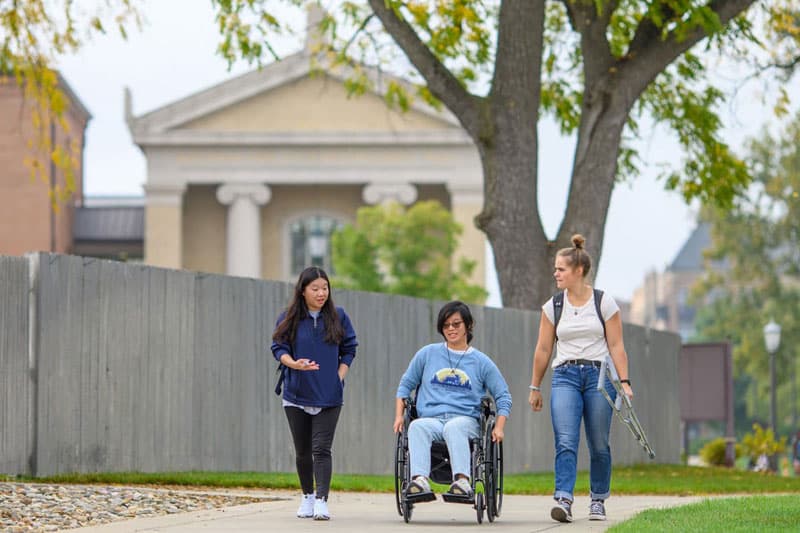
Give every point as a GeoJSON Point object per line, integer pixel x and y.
{"type": "Point", "coordinates": [558, 307]}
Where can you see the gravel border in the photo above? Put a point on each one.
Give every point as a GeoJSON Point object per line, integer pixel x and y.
{"type": "Point", "coordinates": [26, 507]}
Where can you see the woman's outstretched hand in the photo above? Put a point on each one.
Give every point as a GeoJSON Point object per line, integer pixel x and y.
{"type": "Point", "coordinates": [306, 364]}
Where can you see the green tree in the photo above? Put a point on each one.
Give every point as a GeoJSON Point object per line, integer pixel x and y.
{"type": "Point", "coordinates": [33, 34]}
{"type": "Point", "coordinates": [597, 66]}
{"type": "Point", "coordinates": [753, 274]}
{"type": "Point", "coordinates": [404, 251]}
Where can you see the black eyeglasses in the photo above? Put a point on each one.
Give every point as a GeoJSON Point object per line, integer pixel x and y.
{"type": "Point", "coordinates": [455, 324]}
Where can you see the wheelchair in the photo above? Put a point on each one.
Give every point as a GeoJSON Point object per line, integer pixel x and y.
{"type": "Point", "coordinates": [486, 468]}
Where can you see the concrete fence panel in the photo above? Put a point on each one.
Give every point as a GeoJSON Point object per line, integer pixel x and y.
{"type": "Point", "coordinates": [17, 401]}
{"type": "Point", "coordinates": [147, 369]}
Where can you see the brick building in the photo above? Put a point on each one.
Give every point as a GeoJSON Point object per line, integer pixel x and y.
{"type": "Point", "coordinates": [27, 220]}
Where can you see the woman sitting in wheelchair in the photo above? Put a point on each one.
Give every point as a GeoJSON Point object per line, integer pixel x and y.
{"type": "Point", "coordinates": [450, 379]}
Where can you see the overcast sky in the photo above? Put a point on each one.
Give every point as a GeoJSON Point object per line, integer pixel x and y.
{"type": "Point", "coordinates": [174, 56]}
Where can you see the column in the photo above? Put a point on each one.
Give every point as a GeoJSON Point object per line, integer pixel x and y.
{"type": "Point", "coordinates": [243, 230]}
{"type": "Point", "coordinates": [466, 202]}
{"type": "Point", "coordinates": [163, 223]}
{"type": "Point", "coordinates": [381, 193]}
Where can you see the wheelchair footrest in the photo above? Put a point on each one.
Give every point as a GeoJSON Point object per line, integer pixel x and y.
{"type": "Point", "coordinates": [458, 498]}
{"type": "Point", "coordinates": [420, 497]}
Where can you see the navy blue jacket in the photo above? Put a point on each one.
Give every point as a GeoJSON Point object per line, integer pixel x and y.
{"type": "Point", "coordinates": [316, 388]}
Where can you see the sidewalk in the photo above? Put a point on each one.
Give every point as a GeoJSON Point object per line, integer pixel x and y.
{"type": "Point", "coordinates": [378, 513]}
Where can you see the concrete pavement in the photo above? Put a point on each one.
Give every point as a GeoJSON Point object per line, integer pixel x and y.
{"type": "Point", "coordinates": [377, 513]}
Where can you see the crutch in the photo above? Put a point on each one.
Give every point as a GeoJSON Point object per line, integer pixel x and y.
{"type": "Point", "coordinates": [622, 406]}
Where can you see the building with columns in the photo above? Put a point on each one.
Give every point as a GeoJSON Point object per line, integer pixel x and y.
{"type": "Point", "coordinates": [251, 176]}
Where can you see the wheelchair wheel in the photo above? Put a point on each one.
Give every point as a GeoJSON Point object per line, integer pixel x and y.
{"type": "Point", "coordinates": [480, 505]}
{"type": "Point", "coordinates": [494, 478]}
{"type": "Point", "coordinates": [407, 508]}
{"type": "Point", "coordinates": [498, 478]}
{"type": "Point", "coordinates": [399, 473]}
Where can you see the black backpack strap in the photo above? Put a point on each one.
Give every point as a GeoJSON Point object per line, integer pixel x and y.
{"type": "Point", "coordinates": [558, 306]}
{"type": "Point", "coordinates": [598, 297]}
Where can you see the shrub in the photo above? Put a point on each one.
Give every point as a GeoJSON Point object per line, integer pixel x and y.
{"type": "Point", "coordinates": [713, 453]}
{"type": "Point", "coordinates": [762, 442]}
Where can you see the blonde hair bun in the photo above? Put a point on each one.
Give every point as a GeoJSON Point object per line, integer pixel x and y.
{"type": "Point", "coordinates": [578, 241]}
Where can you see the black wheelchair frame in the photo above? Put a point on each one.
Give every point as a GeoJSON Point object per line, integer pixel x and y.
{"type": "Point", "coordinates": [486, 465]}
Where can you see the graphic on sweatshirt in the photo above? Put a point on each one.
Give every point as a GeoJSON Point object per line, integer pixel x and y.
{"type": "Point", "coordinates": [452, 377]}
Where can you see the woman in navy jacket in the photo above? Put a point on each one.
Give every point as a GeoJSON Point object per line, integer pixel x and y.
{"type": "Point", "coordinates": [315, 343]}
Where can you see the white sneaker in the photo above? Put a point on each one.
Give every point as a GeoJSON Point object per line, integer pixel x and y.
{"type": "Point", "coordinates": [321, 510]}
{"type": "Point", "coordinates": [306, 509]}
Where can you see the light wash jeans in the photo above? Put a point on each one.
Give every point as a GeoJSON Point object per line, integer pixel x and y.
{"type": "Point", "coordinates": [455, 430]}
{"type": "Point", "coordinates": [574, 396]}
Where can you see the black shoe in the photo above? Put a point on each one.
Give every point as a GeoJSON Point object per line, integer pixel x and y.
{"type": "Point", "coordinates": [562, 510]}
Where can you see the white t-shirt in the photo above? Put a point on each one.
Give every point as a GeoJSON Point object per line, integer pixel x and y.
{"type": "Point", "coordinates": [580, 332]}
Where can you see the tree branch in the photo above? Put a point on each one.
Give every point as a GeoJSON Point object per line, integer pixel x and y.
{"type": "Point", "coordinates": [592, 27]}
{"type": "Point", "coordinates": [441, 82]}
{"type": "Point", "coordinates": [649, 54]}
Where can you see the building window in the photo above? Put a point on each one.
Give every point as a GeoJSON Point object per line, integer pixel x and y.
{"type": "Point", "coordinates": [310, 239]}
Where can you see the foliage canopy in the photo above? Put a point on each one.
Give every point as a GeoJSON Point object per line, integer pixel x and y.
{"type": "Point", "coordinates": [606, 70]}
{"type": "Point", "coordinates": [753, 275]}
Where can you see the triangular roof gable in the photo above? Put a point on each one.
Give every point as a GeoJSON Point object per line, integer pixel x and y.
{"type": "Point", "coordinates": [242, 88]}
{"type": "Point", "coordinates": [690, 256]}
{"type": "Point", "coordinates": [313, 105]}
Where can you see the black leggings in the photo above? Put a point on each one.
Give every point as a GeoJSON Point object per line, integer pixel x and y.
{"type": "Point", "coordinates": [313, 439]}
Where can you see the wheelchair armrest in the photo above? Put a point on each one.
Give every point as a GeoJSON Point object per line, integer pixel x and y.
{"type": "Point", "coordinates": [410, 412]}
{"type": "Point", "coordinates": [487, 406]}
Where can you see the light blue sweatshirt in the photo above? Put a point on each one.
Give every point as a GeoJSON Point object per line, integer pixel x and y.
{"type": "Point", "coordinates": [453, 385]}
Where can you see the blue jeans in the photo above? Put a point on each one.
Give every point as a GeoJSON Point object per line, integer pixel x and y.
{"type": "Point", "coordinates": [456, 431]}
{"type": "Point", "coordinates": [574, 396]}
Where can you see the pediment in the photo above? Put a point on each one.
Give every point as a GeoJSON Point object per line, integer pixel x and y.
{"type": "Point", "coordinates": [287, 97]}
{"type": "Point", "coordinates": [318, 103]}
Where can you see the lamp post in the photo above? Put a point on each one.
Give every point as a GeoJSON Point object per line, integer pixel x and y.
{"type": "Point", "coordinates": [772, 338]}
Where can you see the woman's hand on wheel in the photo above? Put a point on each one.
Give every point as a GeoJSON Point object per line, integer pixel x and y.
{"type": "Point", "coordinates": [398, 424]}
{"type": "Point", "coordinates": [498, 435]}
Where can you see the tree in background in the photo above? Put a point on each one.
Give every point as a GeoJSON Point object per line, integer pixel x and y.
{"type": "Point", "coordinates": [404, 251]}
{"type": "Point", "coordinates": [755, 275]}
{"type": "Point", "coordinates": [33, 34]}
{"type": "Point", "coordinates": [599, 67]}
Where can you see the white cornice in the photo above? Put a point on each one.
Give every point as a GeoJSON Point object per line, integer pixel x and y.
{"type": "Point", "coordinates": [454, 137]}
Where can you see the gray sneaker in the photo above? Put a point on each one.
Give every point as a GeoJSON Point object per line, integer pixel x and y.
{"type": "Point", "coordinates": [597, 511]}
{"type": "Point", "coordinates": [562, 510]}
{"type": "Point", "coordinates": [419, 485]}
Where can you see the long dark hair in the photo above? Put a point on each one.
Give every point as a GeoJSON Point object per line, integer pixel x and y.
{"type": "Point", "coordinates": [451, 308]}
{"type": "Point", "coordinates": [298, 310]}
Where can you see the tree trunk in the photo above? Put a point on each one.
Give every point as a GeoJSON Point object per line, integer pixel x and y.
{"type": "Point", "coordinates": [511, 223]}
{"type": "Point", "coordinates": [594, 172]}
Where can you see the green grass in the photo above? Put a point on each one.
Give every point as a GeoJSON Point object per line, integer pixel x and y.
{"type": "Point", "coordinates": [644, 479]}
{"type": "Point", "coordinates": [724, 515]}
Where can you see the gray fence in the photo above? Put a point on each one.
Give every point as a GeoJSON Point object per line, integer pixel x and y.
{"type": "Point", "coordinates": [109, 366]}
